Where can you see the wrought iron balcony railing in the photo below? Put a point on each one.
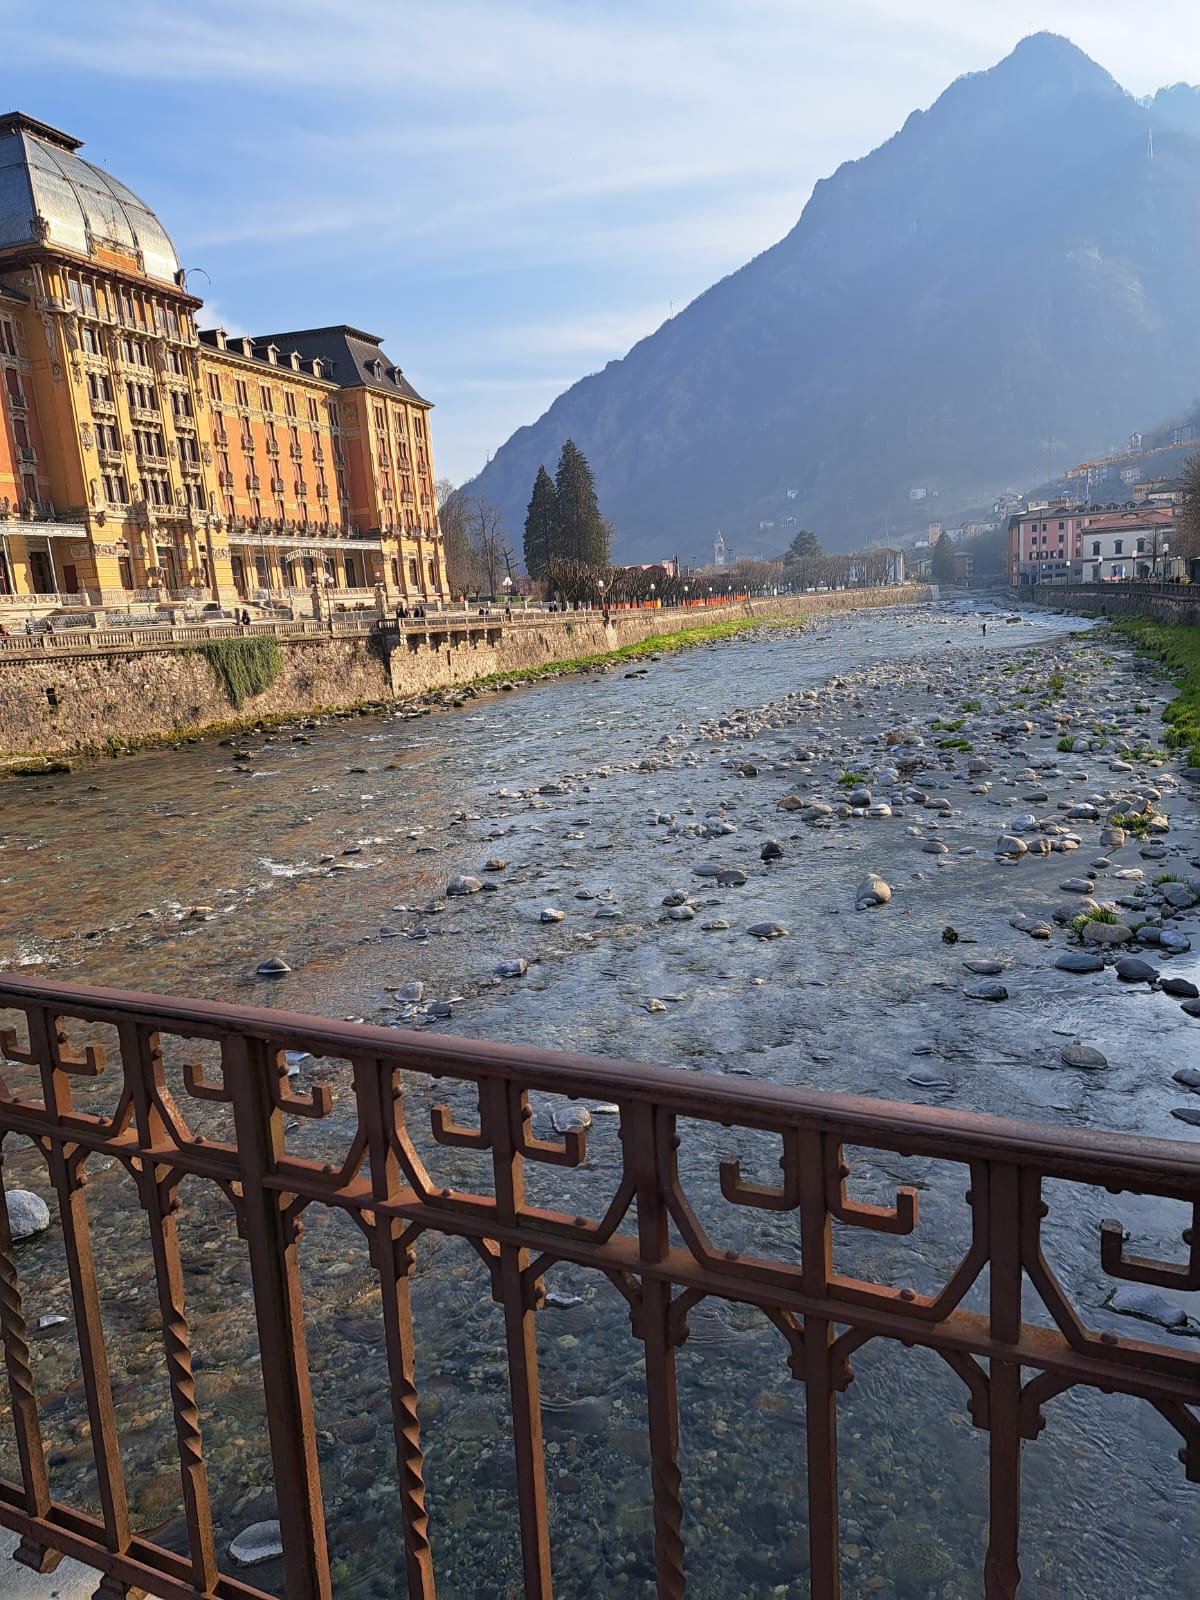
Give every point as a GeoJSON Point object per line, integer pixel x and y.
{"type": "Point", "coordinates": [182, 1063]}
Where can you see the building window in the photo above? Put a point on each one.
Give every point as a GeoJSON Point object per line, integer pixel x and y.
{"type": "Point", "coordinates": [241, 393]}
{"type": "Point", "coordinates": [8, 342]}
{"type": "Point", "coordinates": [114, 488]}
{"type": "Point", "coordinates": [125, 571]}
{"type": "Point", "coordinates": [181, 403]}
{"type": "Point", "coordinates": [1117, 546]}
{"type": "Point", "coordinates": [99, 387]}
{"type": "Point", "coordinates": [268, 401]}
{"type": "Point", "coordinates": [289, 403]}
{"type": "Point", "coordinates": [175, 363]}
{"type": "Point", "coordinates": [432, 573]}
{"type": "Point", "coordinates": [1095, 547]}
{"type": "Point", "coordinates": [314, 410]}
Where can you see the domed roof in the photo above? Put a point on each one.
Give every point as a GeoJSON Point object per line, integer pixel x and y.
{"type": "Point", "coordinates": [49, 195]}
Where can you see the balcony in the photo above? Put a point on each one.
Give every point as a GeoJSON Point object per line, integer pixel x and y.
{"type": "Point", "coordinates": [424, 1150]}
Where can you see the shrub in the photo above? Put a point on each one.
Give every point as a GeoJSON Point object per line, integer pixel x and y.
{"type": "Point", "coordinates": [243, 667]}
{"type": "Point", "coordinates": [1067, 743]}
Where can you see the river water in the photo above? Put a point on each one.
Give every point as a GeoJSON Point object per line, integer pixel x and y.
{"type": "Point", "coordinates": [332, 845]}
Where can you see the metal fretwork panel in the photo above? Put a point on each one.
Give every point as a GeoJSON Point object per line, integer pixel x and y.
{"type": "Point", "coordinates": [1002, 1320]}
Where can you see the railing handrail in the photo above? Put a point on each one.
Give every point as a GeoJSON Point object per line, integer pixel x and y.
{"type": "Point", "coordinates": [1085, 1153]}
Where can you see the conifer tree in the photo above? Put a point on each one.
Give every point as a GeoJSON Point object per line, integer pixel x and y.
{"type": "Point", "coordinates": [582, 535]}
{"type": "Point", "coordinates": [541, 526]}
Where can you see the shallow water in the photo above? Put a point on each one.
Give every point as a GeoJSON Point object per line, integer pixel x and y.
{"type": "Point", "coordinates": [178, 872]}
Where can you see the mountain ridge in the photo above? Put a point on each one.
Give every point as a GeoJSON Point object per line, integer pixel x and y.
{"type": "Point", "coordinates": [986, 277]}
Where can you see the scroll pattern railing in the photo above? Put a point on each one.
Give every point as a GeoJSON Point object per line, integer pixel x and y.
{"type": "Point", "coordinates": [648, 1240]}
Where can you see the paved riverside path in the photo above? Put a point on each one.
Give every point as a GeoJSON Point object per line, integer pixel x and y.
{"type": "Point", "coordinates": [70, 1580]}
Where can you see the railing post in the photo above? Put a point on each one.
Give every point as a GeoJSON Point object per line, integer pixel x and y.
{"type": "Point", "coordinates": [650, 1141]}
{"type": "Point", "coordinates": [820, 1397]}
{"type": "Point", "coordinates": [275, 1274]}
{"type": "Point", "coordinates": [1002, 1572]}
{"type": "Point", "coordinates": [503, 1108]}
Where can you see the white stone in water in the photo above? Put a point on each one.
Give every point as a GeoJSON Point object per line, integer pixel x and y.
{"type": "Point", "coordinates": [464, 884]}
{"type": "Point", "coordinates": [1009, 845]}
{"type": "Point", "coordinates": [411, 991]}
{"type": "Point", "coordinates": [262, 1541]}
{"type": "Point", "coordinates": [872, 891]}
{"type": "Point", "coordinates": [28, 1213]}
{"type": "Point", "coordinates": [568, 1119]}
{"type": "Point", "coordinates": [549, 914]}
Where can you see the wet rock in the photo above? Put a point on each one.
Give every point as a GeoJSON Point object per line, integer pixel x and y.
{"type": "Point", "coordinates": [1180, 988]}
{"type": "Point", "coordinates": [516, 968]}
{"type": "Point", "coordinates": [771, 851]}
{"type": "Point", "coordinates": [872, 891]}
{"type": "Point", "coordinates": [707, 869]}
{"type": "Point", "coordinates": [1191, 1008]}
{"type": "Point", "coordinates": [926, 1078]}
{"type": "Point", "coordinates": [1077, 886]}
{"type": "Point", "coordinates": [1173, 943]}
{"type": "Point", "coordinates": [1112, 837]}
{"type": "Point", "coordinates": [439, 1010]}
{"type": "Point", "coordinates": [28, 1213]}
{"type": "Point", "coordinates": [272, 967]}
{"type": "Point", "coordinates": [1138, 1300]}
{"type": "Point", "coordinates": [731, 878]}
{"type": "Point", "coordinates": [1078, 1054]}
{"type": "Point", "coordinates": [411, 991]}
{"type": "Point", "coordinates": [1189, 1077]}
{"type": "Point", "coordinates": [1107, 933]}
{"type": "Point", "coordinates": [607, 912]}
{"type": "Point", "coordinates": [1134, 970]}
{"type": "Point", "coordinates": [677, 897]}
{"type": "Point", "coordinates": [1177, 895]}
{"type": "Point", "coordinates": [681, 913]}
{"type": "Point", "coordinates": [716, 925]}
{"type": "Point", "coordinates": [935, 847]}
{"type": "Point", "coordinates": [463, 883]}
{"type": "Point", "coordinates": [985, 991]}
{"type": "Point", "coordinates": [1009, 845]}
{"type": "Point", "coordinates": [984, 967]}
{"type": "Point", "coordinates": [571, 1119]}
{"type": "Point", "coordinates": [767, 930]}
{"type": "Point", "coordinates": [262, 1541]}
{"type": "Point", "coordinates": [495, 864]}
{"type": "Point", "coordinates": [549, 914]}
{"type": "Point", "coordinates": [1079, 961]}
{"type": "Point", "coordinates": [655, 1005]}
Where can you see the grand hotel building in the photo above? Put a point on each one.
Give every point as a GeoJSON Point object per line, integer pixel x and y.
{"type": "Point", "coordinates": [142, 460]}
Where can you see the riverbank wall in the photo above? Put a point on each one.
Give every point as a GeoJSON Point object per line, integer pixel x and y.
{"type": "Point", "coordinates": [1154, 601]}
{"type": "Point", "coordinates": [112, 690]}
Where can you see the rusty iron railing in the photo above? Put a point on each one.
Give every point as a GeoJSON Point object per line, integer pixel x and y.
{"type": "Point", "coordinates": [649, 1242]}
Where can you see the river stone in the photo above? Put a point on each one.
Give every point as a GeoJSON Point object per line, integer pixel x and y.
{"type": "Point", "coordinates": [495, 864]}
{"type": "Point", "coordinates": [262, 1541]}
{"type": "Point", "coordinates": [272, 967]}
{"type": "Point", "coordinates": [984, 967]}
{"type": "Point", "coordinates": [1077, 886]}
{"type": "Point", "coordinates": [935, 847]}
{"type": "Point", "coordinates": [1177, 895]}
{"type": "Point", "coordinates": [707, 869]}
{"type": "Point", "coordinates": [1138, 1300]}
{"type": "Point", "coordinates": [1175, 944]}
{"type": "Point", "coordinates": [677, 897]}
{"type": "Point", "coordinates": [681, 913]}
{"type": "Point", "coordinates": [926, 1078]}
{"type": "Point", "coordinates": [571, 1119]}
{"type": "Point", "coordinates": [28, 1213]}
{"type": "Point", "coordinates": [1191, 1008]}
{"type": "Point", "coordinates": [516, 968]}
{"type": "Point", "coordinates": [549, 914]}
{"type": "Point", "coordinates": [1189, 1077]}
{"type": "Point", "coordinates": [767, 930]}
{"type": "Point", "coordinates": [411, 991]}
{"type": "Point", "coordinates": [1112, 837]}
{"type": "Point", "coordinates": [464, 884]}
{"type": "Point", "coordinates": [1180, 988]}
{"type": "Point", "coordinates": [872, 891]}
{"type": "Point", "coordinates": [1107, 933]}
{"type": "Point", "coordinates": [1009, 845]}
{"type": "Point", "coordinates": [985, 991]}
{"type": "Point", "coordinates": [608, 911]}
{"type": "Point", "coordinates": [655, 1005]}
{"type": "Point", "coordinates": [879, 808]}
{"type": "Point", "coordinates": [1070, 909]}
{"type": "Point", "coordinates": [1188, 1114]}
{"type": "Point", "coordinates": [1078, 1054]}
{"type": "Point", "coordinates": [1079, 961]}
{"type": "Point", "coordinates": [771, 851]}
{"type": "Point", "coordinates": [859, 797]}
{"type": "Point", "coordinates": [731, 878]}
{"type": "Point", "coordinates": [1134, 970]}
{"type": "Point", "coordinates": [717, 925]}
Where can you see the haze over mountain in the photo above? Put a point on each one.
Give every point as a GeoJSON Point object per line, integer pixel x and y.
{"type": "Point", "coordinates": [1017, 263]}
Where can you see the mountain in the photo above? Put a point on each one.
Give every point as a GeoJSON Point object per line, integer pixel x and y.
{"type": "Point", "coordinates": [1016, 264]}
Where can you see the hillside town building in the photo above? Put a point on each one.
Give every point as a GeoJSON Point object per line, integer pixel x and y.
{"type": "Point", "coordinates": [141, 460]}
{"type": "Point", "coordinates": [1061, 542]}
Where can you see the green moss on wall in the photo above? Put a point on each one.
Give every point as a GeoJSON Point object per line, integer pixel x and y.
{"type": "Point", "coordinates": [243, 667]}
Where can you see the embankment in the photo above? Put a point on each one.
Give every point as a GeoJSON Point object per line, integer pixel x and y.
{"type": "Point", "coordinates": [87, 698]}
{"type": "Point", "coordinates": [1154, 601]}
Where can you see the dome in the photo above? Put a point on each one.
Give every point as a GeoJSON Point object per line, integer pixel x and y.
{"type": "Point", "coordinates": [51, 196]}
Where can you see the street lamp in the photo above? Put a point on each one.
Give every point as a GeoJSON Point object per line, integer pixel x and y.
{"type": "Point", "coordinates": [507, 587]}
{"type": "Point", "coordinates": [651, 594]}
{"type": "Point", "coordinates": [600, 586]}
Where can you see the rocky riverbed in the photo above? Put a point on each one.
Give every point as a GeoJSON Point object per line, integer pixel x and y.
{"type": "Point", "coordinates": [876, 856]}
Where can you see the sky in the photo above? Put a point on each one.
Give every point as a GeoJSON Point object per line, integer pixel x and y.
{"type": "Point", "coordinates": [511, 192]}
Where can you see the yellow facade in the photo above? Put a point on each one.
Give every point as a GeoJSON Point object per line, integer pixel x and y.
{"type": "Point", "coordinates": [141, 461]}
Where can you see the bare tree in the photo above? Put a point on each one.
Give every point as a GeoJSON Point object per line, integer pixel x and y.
{"type": "Point", "coordinates": [488, 539]}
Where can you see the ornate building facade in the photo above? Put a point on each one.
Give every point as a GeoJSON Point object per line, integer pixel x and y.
{"type": "Point", "coordinates": [142, 460]}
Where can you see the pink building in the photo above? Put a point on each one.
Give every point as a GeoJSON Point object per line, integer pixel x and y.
{"type": "Point", "coordinates": [1087, 544]}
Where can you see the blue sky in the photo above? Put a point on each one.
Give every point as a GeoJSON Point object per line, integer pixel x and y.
{"type": "Point", "coordinates": [512, 192]}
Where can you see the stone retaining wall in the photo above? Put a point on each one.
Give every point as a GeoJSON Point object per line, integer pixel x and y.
{"type": "Point", "coordinates": [1151, 600]}
{"type": "Point", "coordinates": [56, 705]}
